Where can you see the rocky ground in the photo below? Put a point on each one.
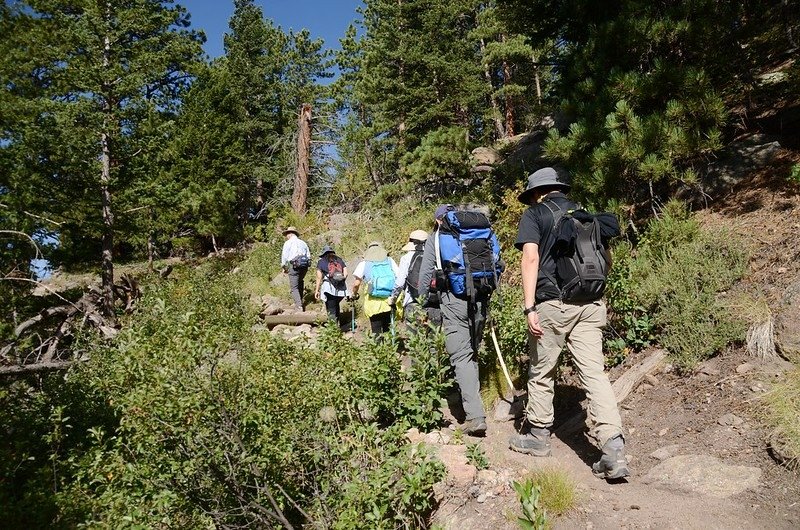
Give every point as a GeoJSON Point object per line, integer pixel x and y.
{"type": "Point", "coordinates": [696, 445]}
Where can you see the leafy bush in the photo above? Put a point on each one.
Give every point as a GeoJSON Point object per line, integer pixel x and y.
{"type": "Point", "coordinates": [674, 285]}
{"type": "Point", "coordinates": [193, 419]}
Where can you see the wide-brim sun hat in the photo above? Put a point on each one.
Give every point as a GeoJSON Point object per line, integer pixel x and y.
{"type": "Point", "coordinates": [418, 235]}
{"type": "Point", "coordinates": [545, 177]}
{"type": "Point", "coordinates": [375, 252]}
{"type": "Point", "coordinates": [325, 250]}
{"type": "Point", "coordinates": [291, 229]}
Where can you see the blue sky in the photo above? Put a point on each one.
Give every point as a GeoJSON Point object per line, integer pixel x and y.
{"type": "Point", "coordinates": [327, 19]}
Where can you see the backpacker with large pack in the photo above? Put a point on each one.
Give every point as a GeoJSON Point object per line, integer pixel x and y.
{"type": "Point", "coordinates": [412, 279]}
{"type": "Point", "coordinates": [380, 278]}
{"type": "Point", "coordinates": [581, 257]}
{"type": "Point", "coordinates": [468, 254]}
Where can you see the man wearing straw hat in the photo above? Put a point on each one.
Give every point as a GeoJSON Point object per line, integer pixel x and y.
{"type": "Point", "coordinates": [295, 260]}
{"type": "Point", "coordinates": [554, 322]}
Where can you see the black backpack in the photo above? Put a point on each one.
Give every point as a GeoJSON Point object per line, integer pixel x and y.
{"type": "Point", "coordinates": [412, 279]}
{"type": "Point", "coordinates": [581, 258]}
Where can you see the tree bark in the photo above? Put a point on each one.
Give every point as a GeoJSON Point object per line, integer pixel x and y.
{"type": "Point", "coordinates": [105, 183]}
{"type": "Point", "coordinates": [300, 195]}
{"type": "Point", "coordinates": [496, 114]}
{"type": "Point", "coordinates": [510, 111]}
{"type": "Point", "coordinates": [537, 80]}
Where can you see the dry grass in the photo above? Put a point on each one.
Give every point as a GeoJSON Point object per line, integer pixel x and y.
{"type": "Point", "coordinates": [559, 493]}
{"type": "Point", "coordinates": [783, 414]}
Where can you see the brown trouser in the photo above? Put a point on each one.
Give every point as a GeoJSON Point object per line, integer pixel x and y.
{"type": "Point", "coordinates": [580, 327]}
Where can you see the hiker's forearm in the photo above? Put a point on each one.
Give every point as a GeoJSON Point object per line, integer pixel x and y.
{"type": "Point", "coordinates": [530, 272]}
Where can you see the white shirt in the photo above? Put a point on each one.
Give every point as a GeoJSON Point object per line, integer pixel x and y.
{"type": "Point", "coordinates": [405, 265]}
{"type": "Point", "coordinates": [292, 248]}
{"type": "Point", "coordinates": [359, 271]}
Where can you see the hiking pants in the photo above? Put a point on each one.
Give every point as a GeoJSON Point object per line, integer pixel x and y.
{"type": "Point", "coordinates": [296, 286]}
{"type": "Point", "coordinates": [381, 323]}
{"type": "Point", "coordinates": [580, 327]}
{"type": "Point", "coordinates": [463, 329]}
{"type": "Point", "coordinates": [332, 306]}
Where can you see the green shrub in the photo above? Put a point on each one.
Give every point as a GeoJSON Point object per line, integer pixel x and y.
{"type": "Point", "coordinates": [673, 285]}
{"type": "Point", "coordinates": [193, 419]}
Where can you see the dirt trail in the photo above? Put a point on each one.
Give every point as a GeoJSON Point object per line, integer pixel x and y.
{"type": "Point", "coordinates": [723, 431]}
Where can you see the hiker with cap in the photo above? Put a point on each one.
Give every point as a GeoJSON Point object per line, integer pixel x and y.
{"type": "Point", "coordinates": [331, 284]}
{"type": "Point", "coordinates": [408, 283]}
{"type": "Point", "coordinates": [463, 319]}
{"type": "Point", "coordinates": [295, 260]}
{"type": "Point", "coordinates": [379, 272]}
{"type": "Point", "coordinates": [560, 312]}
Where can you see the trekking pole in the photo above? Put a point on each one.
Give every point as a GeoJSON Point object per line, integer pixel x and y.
{"type": "Point", "coordinates": [391, 325]}
{"type": "Point", "coordinates": [500, 357]}
{"type": "Point", "coordinates": [352, 316]}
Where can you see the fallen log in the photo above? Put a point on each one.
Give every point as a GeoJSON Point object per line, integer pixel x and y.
{"type": "Point", "coordinates": [16, 369]}
{"type": "Point", "coordinates": [622, 388]}
{"type": "Point", "coordinates": [293, 319]}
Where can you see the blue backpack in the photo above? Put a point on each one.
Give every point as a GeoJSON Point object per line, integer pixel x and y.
{"type": "Point", "coordinates": [468, 253]}
{"type": "Point", "coordinates": [380, 278]}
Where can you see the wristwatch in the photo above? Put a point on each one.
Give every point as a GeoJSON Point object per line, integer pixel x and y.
{"type": "Point", "coordinates": [529, 310]}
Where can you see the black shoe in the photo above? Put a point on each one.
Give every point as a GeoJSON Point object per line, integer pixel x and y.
{"type": "Point", "coordinates": [536, 442]}
{"type": "Point", "coordinates": [475, 427]}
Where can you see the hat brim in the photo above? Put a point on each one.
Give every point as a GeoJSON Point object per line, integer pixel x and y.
{"type": "Point", "coordinates": [525, 196]}
{"type": "Point", "coordinates": [375, 254]}
{"type": "Point", "coordinates": [329, 251]}
{"type": "Point", "coordinates": [295, 232]}
{"type": "Point", "coordinates": [409, 247]}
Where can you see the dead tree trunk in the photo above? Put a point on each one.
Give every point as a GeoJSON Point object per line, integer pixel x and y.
{"type": "Point", "coordinates": [496, 115]}
{"type": "Point", "coordinates": [510, 111]}
{"type": "Point", "coordinates": [105, 184]}
{"type": "Point", "coordinates": [300, 195]}
{"type": "Point", "coordinates": [537, 80]}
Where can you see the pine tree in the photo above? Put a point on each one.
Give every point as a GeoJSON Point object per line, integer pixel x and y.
{"type": "Point", "coordinates": [89, 70]}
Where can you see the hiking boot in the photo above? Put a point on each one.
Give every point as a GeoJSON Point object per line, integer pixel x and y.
{"type": "Point", "coordinates": [536, 442]}
{"type": "Point", "coordinates": [613, 463]}
{"type": "Point", "coordinates": [474, 427]}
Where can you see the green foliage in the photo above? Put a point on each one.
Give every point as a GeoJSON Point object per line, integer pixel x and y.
{"type": "Point", "coordinates": [426, 380]}
{"type": "Point", "coordinates": [440, 160]}
{"type": "Point", "coordinates": [512, 327]}
{"type": "Point", "coordinates": [794, 176]}
{"type": "Point", "coordinates": [534, 515]}
{"type": "Point", "coordinates": [477, 456]}
{"type": "Point", "coordinates": [674, 286]}
{"type": "Point", "coordinates": [781, 411]}
{"type": "Point", "coordinates": [193, 418]}
{"type": "Point", "coordinates": [631, 327]}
